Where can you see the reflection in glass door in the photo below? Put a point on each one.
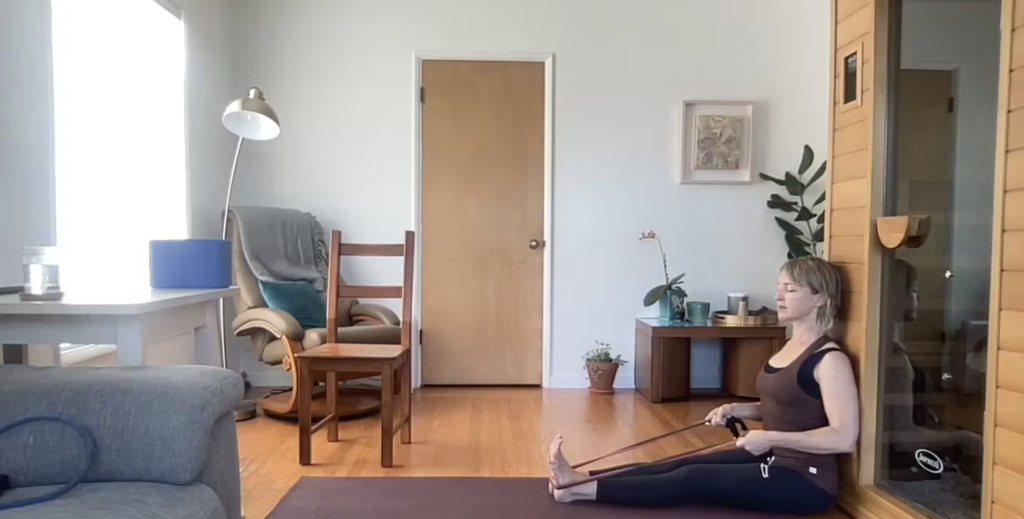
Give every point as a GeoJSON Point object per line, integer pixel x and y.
{"type": "Point", "coordinates": [936, 297]}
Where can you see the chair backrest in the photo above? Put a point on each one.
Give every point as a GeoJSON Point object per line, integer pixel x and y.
{"type": "Point", "coordinates": [337, 288]}
{"type": "Point", "coordinates": [243, 277]}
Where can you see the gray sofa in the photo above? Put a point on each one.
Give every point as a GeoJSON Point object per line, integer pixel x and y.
{"type": "Point", "coordinates": [166, 441]}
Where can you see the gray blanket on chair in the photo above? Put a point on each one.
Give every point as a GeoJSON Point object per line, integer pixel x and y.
{"type": "Point", "coordinates": [283, 244]}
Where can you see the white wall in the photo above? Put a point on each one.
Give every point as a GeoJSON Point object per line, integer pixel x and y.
{"type": "Point", "coordinates": [209, 33]}
{"type": "Point", "coordinates": [210, 87]}
{"type": "Point", "coordinates": [964, 36]}
{"type": "Point", "coordinates": [339, 73]}
{"type": "Point", "coordinates": [27, 215]}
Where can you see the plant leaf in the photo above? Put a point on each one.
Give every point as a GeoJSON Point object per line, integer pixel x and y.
{"type": "Point", "coordinates": [769, 178]}
{"type": "Point", "coordinates": [676, 279]}
{"type": "Point", "coordinates": [805, 215]}
{"type": "Point", "coordinates": [820, 200]}
{"type": "Point", "coordinates": [777, 202]}
{"type": "Point", "coordinates": [788, 227]}
{"type": "Point", "coordinates": [806, 161]}
{"type": "Point", "coordinates": [799, 252]}
{"type": "Point", "coordinates": [654, 295]}
{"type": "Point", "coordinates": [818, 174]}
{"type": "Point", "coordinates": [789, 255]}
{"type": "Point", "coordinates": [793, 185]}
{"type": "Point", "coordinates": [794, 240]}
{"type": "Point", "coordinates": [821, 218]}
{"type": "Point", "coordinates": [797, 246]}
{"type": "Point", "coordinates": [819, 234]}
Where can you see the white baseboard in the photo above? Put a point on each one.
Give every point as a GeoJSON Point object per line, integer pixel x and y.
{"type": "Point", "coordinates": [622, 381]}
{"type": "Point", "coordinates": [276, 378]}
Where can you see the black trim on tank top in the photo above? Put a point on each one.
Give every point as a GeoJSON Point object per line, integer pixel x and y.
{"type": "Point", "coordinates": [805, 373]}
{"type": "Point", "coordinates": [805, 376]}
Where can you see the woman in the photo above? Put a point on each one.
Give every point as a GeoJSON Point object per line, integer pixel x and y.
{"type": "Point", "coordinates": [808, 406]}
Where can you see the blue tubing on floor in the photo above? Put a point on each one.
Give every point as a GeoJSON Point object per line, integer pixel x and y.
{"type": "Point", "coordinates": [91, 452]}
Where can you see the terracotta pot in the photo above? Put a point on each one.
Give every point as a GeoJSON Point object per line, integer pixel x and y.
{"type": "Point", "coordinates": [602, 376]}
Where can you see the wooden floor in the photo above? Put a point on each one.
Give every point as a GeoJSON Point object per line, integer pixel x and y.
{"type": "Point", "coordinates": [471, 432]}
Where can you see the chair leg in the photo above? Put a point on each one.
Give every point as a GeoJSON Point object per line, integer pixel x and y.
{"type": "Point", "coordinates": [387, 417]}
{"type": "Point", "coordinates": [407, 401]}
{"type": "Point", "coordinates": [332, 406]}
{"type": "Point", "coordinates": [305, 397]}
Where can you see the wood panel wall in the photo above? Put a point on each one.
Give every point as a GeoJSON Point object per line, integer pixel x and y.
{"type": "Point", "coordinates": [847, 223]}
{"type": "Point", "coordinates": [1003, 491]}
{"type": "Point", "coordinates": [855, 178]}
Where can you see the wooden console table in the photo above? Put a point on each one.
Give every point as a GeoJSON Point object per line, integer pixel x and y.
{"type": "Point", "coordinates": [662, 361]}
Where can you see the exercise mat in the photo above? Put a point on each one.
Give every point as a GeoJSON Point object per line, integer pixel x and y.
{"type": "Point", "coordinates": [460, 498]}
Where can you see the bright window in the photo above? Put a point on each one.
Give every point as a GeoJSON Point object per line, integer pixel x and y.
{"type": "Point", "coordinates": [119, 125]}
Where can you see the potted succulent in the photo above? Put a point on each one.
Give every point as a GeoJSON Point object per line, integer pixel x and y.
{"type": "Point", "coordinates": [602, 367]}
{"type": "Point", "coordinates": [671, 298]}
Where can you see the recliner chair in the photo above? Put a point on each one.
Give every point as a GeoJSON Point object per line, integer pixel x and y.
{"type": "Point", "coordinates": [277, 337]}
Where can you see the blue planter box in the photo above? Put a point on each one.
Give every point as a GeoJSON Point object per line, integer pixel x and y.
{"type": "Point", "coordinates": [190, 263]}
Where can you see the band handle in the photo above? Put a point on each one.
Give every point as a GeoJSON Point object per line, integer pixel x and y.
{"type": "Point", "coordinates": [735, 425]}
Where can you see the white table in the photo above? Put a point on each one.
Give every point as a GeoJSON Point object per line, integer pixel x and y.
{"type": "Point", "coordinates": [150, 327]}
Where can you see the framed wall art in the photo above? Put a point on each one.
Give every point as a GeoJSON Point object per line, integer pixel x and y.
{"type": "Point", "coordinates": [715, 142]}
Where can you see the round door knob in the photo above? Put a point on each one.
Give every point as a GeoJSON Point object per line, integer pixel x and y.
{"type": "Point", "coordinates": [949, 274]}
{"type": "Point", "coordinates": [534, 244]}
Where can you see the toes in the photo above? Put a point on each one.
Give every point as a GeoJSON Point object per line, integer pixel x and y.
{"type": "Point", "coordinates": [555, 450]}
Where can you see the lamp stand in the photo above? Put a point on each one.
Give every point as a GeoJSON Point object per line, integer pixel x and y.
{"type": "Point", "coordinates": [246, 410]}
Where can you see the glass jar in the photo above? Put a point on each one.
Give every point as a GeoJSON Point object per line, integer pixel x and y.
{"type": "Point", "coordinates": [40, 270]}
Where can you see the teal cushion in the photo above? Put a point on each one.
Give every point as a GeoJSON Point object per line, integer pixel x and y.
{"type": "Point", "coordinates": [297, 298]}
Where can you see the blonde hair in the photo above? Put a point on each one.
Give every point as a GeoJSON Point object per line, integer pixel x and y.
{"type": "Point", "coordinates": [819, 277]}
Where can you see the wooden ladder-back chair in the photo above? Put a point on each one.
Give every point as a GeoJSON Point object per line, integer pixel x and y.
{"type": "Point", "coordinates": [393, 362]}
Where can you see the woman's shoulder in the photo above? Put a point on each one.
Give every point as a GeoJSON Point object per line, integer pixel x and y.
{"type": "Point", "coordinates": [828, 343]}
{"type": "Point", "coordinates": [832, 356]}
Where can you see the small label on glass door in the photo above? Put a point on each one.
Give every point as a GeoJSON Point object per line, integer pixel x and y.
{"type": "Point", "coordinates": [928, 461]}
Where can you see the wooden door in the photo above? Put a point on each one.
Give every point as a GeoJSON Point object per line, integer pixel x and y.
{"type": "Point", "coordinates": [924, 177]}
{"type": "Point", "coordinates": [482, 205]}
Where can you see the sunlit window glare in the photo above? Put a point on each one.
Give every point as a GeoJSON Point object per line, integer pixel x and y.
{"type": "Point", "coordinates": [119, 124]}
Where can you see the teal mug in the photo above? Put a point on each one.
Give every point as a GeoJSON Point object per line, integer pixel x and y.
{"type": "Point", "coordinates": [698, 312]}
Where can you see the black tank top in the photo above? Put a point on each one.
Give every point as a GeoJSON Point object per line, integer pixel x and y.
{"type": "Point", "coordinates": [791, 402]}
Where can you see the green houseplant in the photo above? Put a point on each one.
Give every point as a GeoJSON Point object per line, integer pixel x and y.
{"type": "Point", "coordinates": [602, 367]}
{"type": "Point", "coordinates": [804, 217]}
{"type": "Point", "coordinates": [669, 295]}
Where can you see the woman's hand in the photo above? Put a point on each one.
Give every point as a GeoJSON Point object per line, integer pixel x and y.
{"type": "Point", "coordinates": [755, 442]}
{"type": "Point", "coordinates": [718, 415]}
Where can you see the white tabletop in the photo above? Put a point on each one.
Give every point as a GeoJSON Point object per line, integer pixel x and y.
{"type": "Point", "coordinates": [113, 301]}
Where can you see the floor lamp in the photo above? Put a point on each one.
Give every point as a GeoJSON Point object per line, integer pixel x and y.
{"type": "Point", "coordinates": [250, 118]}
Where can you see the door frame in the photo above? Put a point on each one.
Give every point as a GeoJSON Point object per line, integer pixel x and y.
{"type": "Point", "coordinates": [547, 58]}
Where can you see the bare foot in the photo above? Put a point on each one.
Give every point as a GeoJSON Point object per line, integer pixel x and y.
{"type": "Point", "coordinates": [561, 470]}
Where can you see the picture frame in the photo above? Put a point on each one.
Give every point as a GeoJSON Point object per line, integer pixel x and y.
{"type": "Point", "coordinates": [715, 142]}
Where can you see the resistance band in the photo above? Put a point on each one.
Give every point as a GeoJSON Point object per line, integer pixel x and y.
{"type": "Point", "coordinates": [91, 453]}
{"type": "Point", "coordinates": [735, 425]}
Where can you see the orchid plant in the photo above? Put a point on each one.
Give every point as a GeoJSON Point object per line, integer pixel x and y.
{"type": "Point", "coordinates": [671, 285]}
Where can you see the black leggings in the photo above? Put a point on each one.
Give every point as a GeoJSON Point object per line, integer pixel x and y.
{"type": "Point", "coordinates": [729, 478]}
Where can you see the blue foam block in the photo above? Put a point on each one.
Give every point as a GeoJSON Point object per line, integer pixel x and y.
{"type": "Point", "coordinates": [190, 263]}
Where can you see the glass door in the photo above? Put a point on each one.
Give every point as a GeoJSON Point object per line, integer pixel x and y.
{"type": "Point", "coordinates": [935, 298]}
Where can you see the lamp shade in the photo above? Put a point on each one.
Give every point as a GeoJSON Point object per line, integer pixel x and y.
{"type": "Point", "coordinates": [251, 117]}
